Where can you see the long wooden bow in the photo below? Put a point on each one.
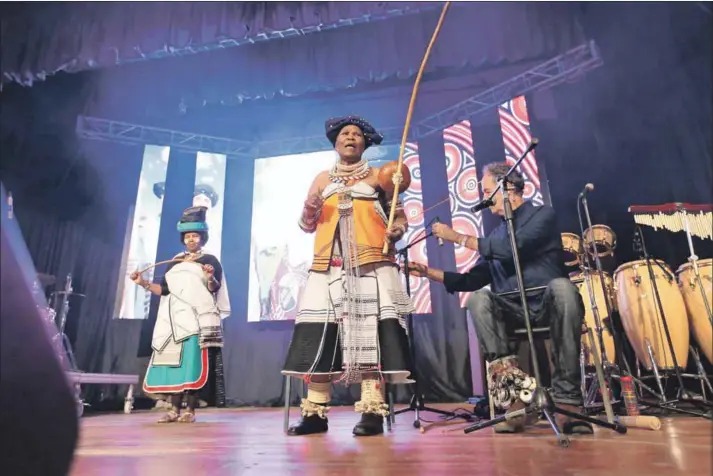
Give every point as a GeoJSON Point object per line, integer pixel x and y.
{"type": "Point", "coordinates": [398, 177]}
{"type": "Point", "coordinates": [174, 260]}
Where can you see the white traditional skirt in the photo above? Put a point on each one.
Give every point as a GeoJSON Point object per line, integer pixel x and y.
{"type": "Point", "coordinates": [327, 340]}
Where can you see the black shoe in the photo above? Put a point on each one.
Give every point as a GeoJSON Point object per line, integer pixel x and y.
{"type": "Point", "coordinates": [572, 426]}
{"type": "Point", "coordinates": [370, 424]}
{"type": "Point", "coordinates": [309, 426]}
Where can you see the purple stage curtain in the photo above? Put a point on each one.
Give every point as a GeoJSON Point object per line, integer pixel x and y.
{"type": "Point", "coordinates": [474, 35]}
{"type": "Point", "coordinates": [75, 36]}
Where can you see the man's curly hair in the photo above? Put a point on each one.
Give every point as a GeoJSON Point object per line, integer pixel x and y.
{"type": "Point", "coordinates": [498, 170]}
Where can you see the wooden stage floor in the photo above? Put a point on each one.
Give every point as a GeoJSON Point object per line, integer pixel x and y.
{"type": "Point", "coordinates": [251, 441]}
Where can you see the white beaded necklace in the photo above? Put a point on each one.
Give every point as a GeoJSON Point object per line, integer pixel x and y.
{"type": "Point", "coordinates": [342, 173]}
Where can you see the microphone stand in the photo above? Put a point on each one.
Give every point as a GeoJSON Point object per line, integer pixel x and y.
{"type": "Point", "coordinates": [619, 356]}
{"type": "Point", "coordinates": [417, 404]}
{"type": "Point", "coordinates": [542, 402]}
{"type": "Point", "coordinates": [682, 395]}
{"type": "Point", "coordinates": [582, 199]}
{"type": "Point", "coordinates": [612, 369]}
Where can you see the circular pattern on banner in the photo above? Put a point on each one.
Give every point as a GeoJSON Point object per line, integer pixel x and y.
{"type": "Point", "coordinates": [465, 223]}
{"type": "Point", "coordinates": [452, 203]}
{"type": "Point", "coordinates": [467, 192]}
{"type": "Point", "coordinates": [454, 160]}
{"type": "Point", "coordinates": [529, 191]}
{"type": "Point", "coordinates": [414, 167]}
{"type": "Point", "coordinates": [413, 208]}
{"type": "Point", "coordinates": [420, 300]}
{"type": "Point", "coordinates": [417, 254]}
{"type": "Point", "coordinates": [460, 136]}
{"type": "Point", "coordinates": [518, 108]}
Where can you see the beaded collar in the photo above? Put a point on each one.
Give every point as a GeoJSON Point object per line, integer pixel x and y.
{"type": "Point", "coordinates": [342, 173]}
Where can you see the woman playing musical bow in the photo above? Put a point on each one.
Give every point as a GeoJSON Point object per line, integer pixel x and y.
{"type": "Point", "coordinates": [351, 323]}
{"type": "Point", "coordinates": [188, 334]}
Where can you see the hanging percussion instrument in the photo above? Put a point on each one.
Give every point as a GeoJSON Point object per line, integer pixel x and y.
{"type": "Point", "coordinates": [640, 314]}
{"type": "Point", "coordinates": [692, 296]}
{"type": "Point", "coordinates": [695, 220]}
{"type": "Point", "coordinates": [583, 280]}
{"type": "Point", "coordinates": [602, 237]}
{"type": "Point", "coordinates": [386, 176]}
{"type": "Point", "coordinates": [572, 246]}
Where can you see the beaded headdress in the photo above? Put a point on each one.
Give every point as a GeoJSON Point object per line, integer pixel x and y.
{"type": "Point", "coordinates": [336, 124]}
{"type": "Point", "coordinates": [193, 220]}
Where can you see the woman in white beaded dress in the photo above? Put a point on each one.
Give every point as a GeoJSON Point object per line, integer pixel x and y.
{"type": "Point", "coordinates": [351, 323]}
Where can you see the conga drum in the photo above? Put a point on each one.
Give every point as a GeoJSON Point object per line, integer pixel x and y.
{"type": "Point", "coordinates": [640, 314]}
{"type": "Point", "coordinates": [602, 237]}
{"type": "Point", "coordinates": [697, 313]}
{"type": "Point", "coordinates": [572, 246]}
{"type": "Point", "coordinates": [594, 284]}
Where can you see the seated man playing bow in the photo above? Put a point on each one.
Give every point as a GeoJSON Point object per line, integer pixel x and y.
{"type": "Point", "coordinates": [559, 305]}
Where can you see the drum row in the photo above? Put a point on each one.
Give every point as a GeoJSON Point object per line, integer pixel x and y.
{"type": "Point", "coordinates": [631, 292]}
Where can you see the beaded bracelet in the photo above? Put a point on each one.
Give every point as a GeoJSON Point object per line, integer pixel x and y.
{"type": "Point", "coordinates": [309, 227]}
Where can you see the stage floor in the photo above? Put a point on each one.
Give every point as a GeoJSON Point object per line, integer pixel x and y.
{"type": "Point", "coordinates": [251, 441]}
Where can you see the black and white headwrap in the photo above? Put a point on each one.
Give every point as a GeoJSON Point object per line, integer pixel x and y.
{"type": "Point", "coordinates": [334, 125]}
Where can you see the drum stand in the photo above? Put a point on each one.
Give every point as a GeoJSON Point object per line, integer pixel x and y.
{"type": "Point", "coordinates": [611, 370]}
{"type": "Point", "coordinates": [542, 402]}
{"type": "Point", "coordinates": [701, 376]}
{"type": "Point", "coordinates": [682, 396]}
{"type": "Point", "coordinates": [693, 259]}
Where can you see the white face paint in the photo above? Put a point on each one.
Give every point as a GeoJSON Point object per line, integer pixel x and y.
{"type": "Point", "coordinates": [192, 241]}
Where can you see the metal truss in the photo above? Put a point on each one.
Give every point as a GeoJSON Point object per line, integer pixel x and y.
{"type": "Point", "coordinates": [565, 67]}
{"type": "Point", "coordinates": [122, 132]}
{"type": "Point", "coordinates": [397, 10]}
{"type": "Point", "coordinates": [298, 145]}
{"type": "Point", "coordinates": [115, 131]}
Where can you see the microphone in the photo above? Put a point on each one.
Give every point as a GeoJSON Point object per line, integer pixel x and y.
{"type": "Point", "coordinates": [587, 188]}
{"type": "Point", "coordinates": [531, 146]}
{"type": "Point", "coordinates": [487, 203]}
{"type": "Point", "coordinates": [440, 240]}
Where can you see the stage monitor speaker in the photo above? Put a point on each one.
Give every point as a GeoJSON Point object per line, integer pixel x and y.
{"type": "Point", "coordinates": [38, 413]}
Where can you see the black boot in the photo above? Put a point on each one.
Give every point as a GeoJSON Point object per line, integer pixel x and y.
{"type": "Point", "coordinates": [309, 425]}
{"type": "Point", "coordinates": [370, 424]}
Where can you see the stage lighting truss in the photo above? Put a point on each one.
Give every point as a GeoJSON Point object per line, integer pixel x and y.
{"type": "Point", "coordinates": [122, 132]}
{"type": "Point", "coordinates": [569, 66]}
{"type": "Point", "coordinates": [299, 145]}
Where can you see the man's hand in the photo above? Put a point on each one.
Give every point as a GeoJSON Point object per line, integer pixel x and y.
{"type": "Point", "coordinates": [417, 269]}
{"type": "Point", "coordinates": [445, 232]}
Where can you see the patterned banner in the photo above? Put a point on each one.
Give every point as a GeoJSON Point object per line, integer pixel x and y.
{"type": "Point", "coordinates": [413, 207]}
{"type": "Point", "coordinates": [463, 192]}
{"type": "Point", "coordinates": [515, 127]}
